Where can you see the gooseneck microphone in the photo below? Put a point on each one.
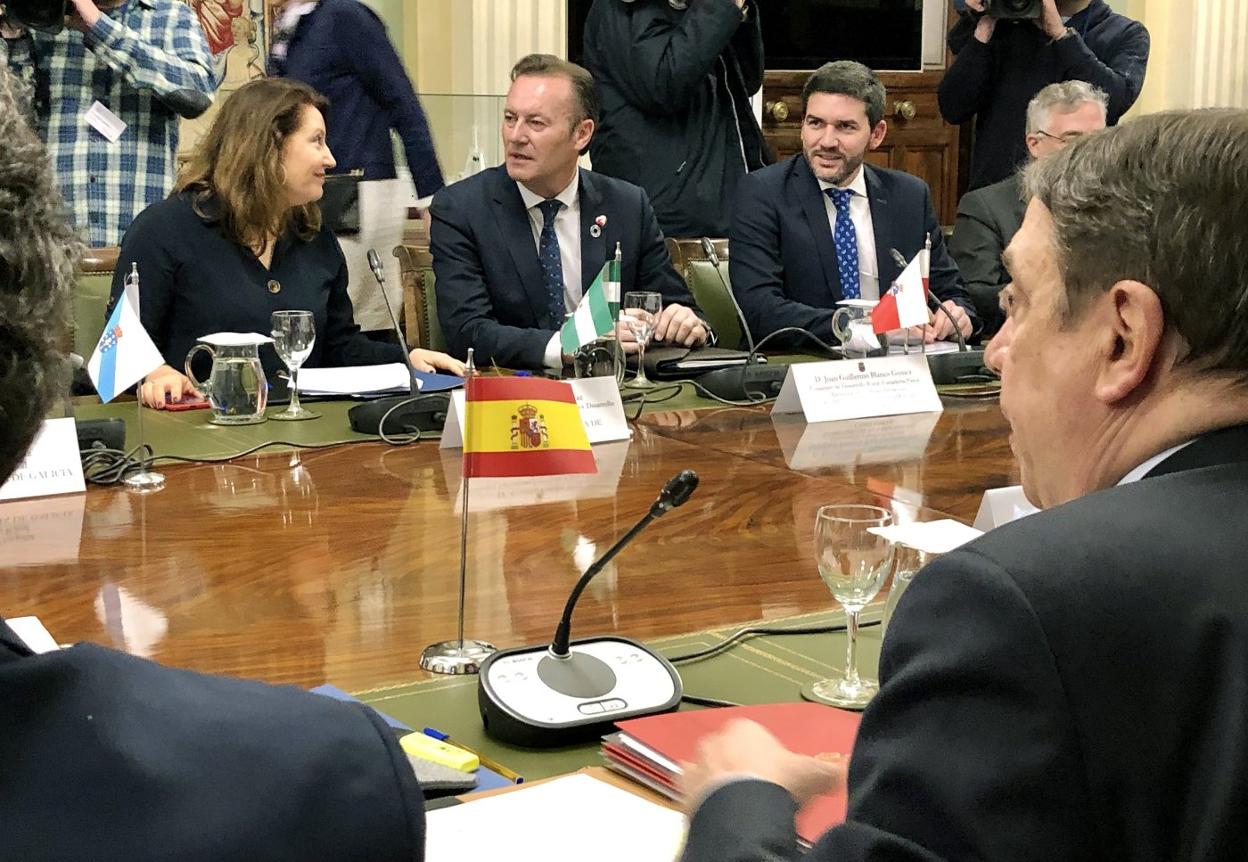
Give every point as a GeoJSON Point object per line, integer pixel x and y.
{"type": "Point", "coordinates": [401, 414]}
{"type": "Point", "coordinates": [556, 694]}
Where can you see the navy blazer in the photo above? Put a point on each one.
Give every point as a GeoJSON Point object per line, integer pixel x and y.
{"type": "Point", "coordinates": [783, 261]}
{"type": "Point", "coordinates": [491, 296]}
{"type": "Point", "coordinates": [110, 757]}
{"type": "Point", "coordinates": [341, 48]}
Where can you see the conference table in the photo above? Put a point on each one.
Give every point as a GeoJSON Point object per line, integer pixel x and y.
{"type": "Point", "coordinates": [340, 564]}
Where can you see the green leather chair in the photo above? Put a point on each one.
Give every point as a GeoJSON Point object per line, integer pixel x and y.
{"type": "Point", "coordinates": [708, 289]}
{"type": "Point", "coordinates": [420, 301]}
{"type": "Point", "coordinates": [91, 298]}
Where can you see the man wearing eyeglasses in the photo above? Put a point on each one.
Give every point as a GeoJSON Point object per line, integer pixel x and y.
{"type": "Point", "coordinates": [989, 217]}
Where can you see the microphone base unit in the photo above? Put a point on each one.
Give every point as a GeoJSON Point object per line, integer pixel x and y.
{"type": "Point", "coordinates": [752, 382]}
{"type": "Point", "coordinates": [455, 657]}
{"type": "Point", "coordinates": [532, 698]}
{"type": "Point", "coordinates": [423, 413]}
{"type": "Point", "coordinates": [965, 366]}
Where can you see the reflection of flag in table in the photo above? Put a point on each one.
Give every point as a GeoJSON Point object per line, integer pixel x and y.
{"type": "Point", "coordinates": [125, 353]}
{"type": "Point", "coordinates": [523, 426]}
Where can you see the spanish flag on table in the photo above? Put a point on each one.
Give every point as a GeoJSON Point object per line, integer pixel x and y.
{"type": "Point", "coordinates": [523, 426]}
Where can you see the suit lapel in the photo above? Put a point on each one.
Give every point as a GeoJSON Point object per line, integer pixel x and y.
{"type": "Point", "coordinates": [593, 248]}
{"type": "Point", "coordinates": [513, 224]}
{"type": "Point", "coordinates": [806, 189]}
{"type": "Point", "coordinates": [880, 220]}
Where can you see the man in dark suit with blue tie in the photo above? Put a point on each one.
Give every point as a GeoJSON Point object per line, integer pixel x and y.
{"type": "Point", "coordinates": [822, 226]}
{"type": "Point", "coordinates": [515, 247]}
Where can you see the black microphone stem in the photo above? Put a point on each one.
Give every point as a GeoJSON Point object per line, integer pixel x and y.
{"type": "Point", "coordinates": [559, 646]}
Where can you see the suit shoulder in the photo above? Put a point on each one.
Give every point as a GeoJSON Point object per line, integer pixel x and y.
{"type": "Point", "coordinates": [900, 181]}
{"type": "Point", "coordinates": [772, 178]}
{"type": "Point", "coordinates": [475, 187]}
{"type": "Point", "coordinates": [613, 186]}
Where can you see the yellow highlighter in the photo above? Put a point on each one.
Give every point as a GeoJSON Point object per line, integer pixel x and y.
{"type": "Point", "coordinates": [428, 748]}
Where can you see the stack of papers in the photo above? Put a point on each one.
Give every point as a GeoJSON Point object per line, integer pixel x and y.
{"type": "Point", "coordinates": [649, 750]}
{"type": "Point", "coordinates": [369, 380]}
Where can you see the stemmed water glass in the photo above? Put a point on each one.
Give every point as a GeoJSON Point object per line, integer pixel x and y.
{"type": "Point", "coordinates": [640, 312]}
{"type": "Point", "coordinates": [294, 333]}
{"type": "Point", "coordinates": [854, 564]}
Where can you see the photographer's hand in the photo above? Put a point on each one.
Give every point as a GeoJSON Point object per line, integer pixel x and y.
{"type": "Point", "coordinates": [1050, 21]}
{"type": "Point", "coordinates": [986, 26]}
{"type": "Point", "coordinates": [84, 15]}
{"type": "Point", "coordinates": [10, 28]}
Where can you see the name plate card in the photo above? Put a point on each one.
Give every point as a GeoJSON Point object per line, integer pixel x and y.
{"type": "Point", "coordinates": [859, 388]}
{"type": "Point", "coordinates": [1001, 506]}
{"type": "Point", "coordinates": [52, 465]}
{"type": "Point", "coordinates": [597, 398]}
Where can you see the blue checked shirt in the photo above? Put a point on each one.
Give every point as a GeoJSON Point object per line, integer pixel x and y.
{"type": "Point", "coordinates": [134, 53]}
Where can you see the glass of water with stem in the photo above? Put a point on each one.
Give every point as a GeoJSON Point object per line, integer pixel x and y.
{"type": "Point", "coordinates": [854, 563]}
{"type": "Point", "coordinates": [640, 312]}
{"type": "Point", "coordinates": [294, 333]}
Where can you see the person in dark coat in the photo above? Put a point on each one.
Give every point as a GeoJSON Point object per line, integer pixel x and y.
{"type": "Point", "coordinates": [106, 756]}
{"type": "Point", "coordinates": [1001, 65]}
{"type": "Point", "coordinates": [675, 86]}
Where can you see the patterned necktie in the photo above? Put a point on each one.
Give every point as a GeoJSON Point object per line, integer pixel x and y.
{"type": "Point", "coordinates": [846, 240]}
{"type": "Point", "coordinates": [552, 264]}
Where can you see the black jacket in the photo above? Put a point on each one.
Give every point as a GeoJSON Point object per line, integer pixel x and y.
{"type": "Point", "coordinates": [1069, 686]}
{"type": "Point", "coordinates": [993, 83]}
{"type": "Point", "coordinates": [987, 220]}
{"type": "Point", "coordinates": [676, 116]}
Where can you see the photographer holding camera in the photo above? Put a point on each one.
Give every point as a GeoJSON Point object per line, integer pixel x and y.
{"type": "Point", "coordinates": [110, 79]}
{"type": "Point", "coordinates": [1008, 50]}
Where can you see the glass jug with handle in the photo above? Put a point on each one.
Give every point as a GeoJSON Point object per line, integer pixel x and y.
{"type": "Point", "coordinates": [236, 387]}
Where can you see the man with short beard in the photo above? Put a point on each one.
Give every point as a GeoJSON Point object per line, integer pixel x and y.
{"type": "Point", "coordinates": [822, 226]}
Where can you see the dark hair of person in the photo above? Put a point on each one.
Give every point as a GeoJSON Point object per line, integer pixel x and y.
{"type": "Point", "coordinates": [584, 93]}
{"type": "Point", "coordinates": [848, 78]}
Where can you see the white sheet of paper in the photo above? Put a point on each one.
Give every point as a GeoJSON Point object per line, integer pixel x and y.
{"type": "Point", "coordinates": [51, 466]}
{"type": "Point", "coordinates": [33, 634]}
{"type": "Point", "coordinates": [354, 379]}
{"type": "Point", "coordinates": [104, 121]}
{"type": "Point", "coordinates": [1002, 505]}
{"type": "Point", "coordinates": [858, 388]}
{"type": "Point", "coordinates": [570, 819]}
{"type": "Point", "coordinates": [930, 537]}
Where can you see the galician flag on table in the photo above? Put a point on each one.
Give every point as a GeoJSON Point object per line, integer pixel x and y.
{"type": "Point", "coordinates": [598, 309]}
{"type": "Point", "coordinates": [125, 353]}
{"type": "Point", "coordinates": [905, 304]}
{"type": "Point", "coordinates": [523, 426]}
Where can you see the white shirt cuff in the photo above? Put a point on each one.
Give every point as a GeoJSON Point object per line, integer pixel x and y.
{"type": "Point", "coordinates": [554, 354]}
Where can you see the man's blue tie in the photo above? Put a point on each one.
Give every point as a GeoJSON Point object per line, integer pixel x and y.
{"type": "Point", "coordinates": [845, 238]}
{"type": "Point", "coordinates": [552, 263]}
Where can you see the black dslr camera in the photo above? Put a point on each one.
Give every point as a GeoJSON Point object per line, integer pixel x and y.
{"type": "Point", "coordinates": [45, 15]}
{"type": "Point", "coordinates": [1013, 9]}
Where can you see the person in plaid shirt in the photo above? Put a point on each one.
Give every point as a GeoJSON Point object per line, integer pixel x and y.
{"type": "Point", "coordinates": [146, 61]}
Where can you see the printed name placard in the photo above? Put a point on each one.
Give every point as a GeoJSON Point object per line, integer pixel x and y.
{"type": "Point", "coordinates": [597, 398]}
{"type": "Point", "coordinates": [859, 388]}
{"type": "Point", "coordinates": [52, 465]}
{"type": "Point", "coordinates": [1002, 505]}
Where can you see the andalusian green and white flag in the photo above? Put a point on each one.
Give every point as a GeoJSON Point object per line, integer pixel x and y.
{"type": "Point", "coordinates": [597, 312]}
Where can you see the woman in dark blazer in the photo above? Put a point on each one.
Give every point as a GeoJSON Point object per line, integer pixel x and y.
{"type": "Point", "coordinates": [241, 237]}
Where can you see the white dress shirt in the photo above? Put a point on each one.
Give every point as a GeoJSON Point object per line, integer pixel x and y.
{"type": "Point", "coordinates": [864, 230]}
{"type": "Point", "coordinates": [1144, 469]}
{"type": "Point", "coordinates": [568, 230]}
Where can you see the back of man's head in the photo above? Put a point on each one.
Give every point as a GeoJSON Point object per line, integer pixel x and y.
{"type": "Point", "coordinates": [1063, 98]}
{"type": "Point", "coordinates": [38, 258]}
{"type": "Point", "coordinates": [1159, 200]}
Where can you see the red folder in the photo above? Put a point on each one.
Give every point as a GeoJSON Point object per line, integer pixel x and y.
{"type": "Point", "coordinates": [807, 728]}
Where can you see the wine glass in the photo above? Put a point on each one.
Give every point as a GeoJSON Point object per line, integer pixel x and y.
{"type": "Point", "coordinates": [294, 333]}
{"type": "Point", "coordinates": [854, 563]}
{"type": "Point", "coordinates": [640, 312]}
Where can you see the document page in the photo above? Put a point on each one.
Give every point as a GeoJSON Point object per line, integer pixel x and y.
{"type": "Point", "coordinates": [576, 817]}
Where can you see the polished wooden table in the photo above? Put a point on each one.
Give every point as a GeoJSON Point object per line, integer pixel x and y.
{"type": "Point", "coordinates": [341, 564]}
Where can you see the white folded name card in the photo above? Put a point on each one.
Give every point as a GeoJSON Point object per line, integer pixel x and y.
{"type": "Point", "coordinates": [1002, 505]}
{"type": "Point", "coordinates": [51, 466]}
{"type": "Point", "coordinates": [858, 388]}
{"type": "Point", "coordinates": [597, 398]}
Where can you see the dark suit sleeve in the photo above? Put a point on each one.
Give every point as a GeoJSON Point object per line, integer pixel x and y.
{"type": "Point", "coordinates": [149, 243]}
{"type": "Point", "coordinates": [372, 57]}
{"type": "Point", "coordinates": [967, 83]}
{"type": "Point", "coordinates": [659, 63]}
{"type": "Point", "coordinates": [345, 344]}
{"type": "Point", "coordinates": [1120, 74]}
{"type": "Point", "coordinates": [747, 44]}
{"type": "Point", "coordinates": [465, 309]}
{"type": "Point", "coordinates": [976, 246]}
{"type": "Point", "coordinates": [742, 822]}
{"type": "Point", "coordinates": [757, 273]}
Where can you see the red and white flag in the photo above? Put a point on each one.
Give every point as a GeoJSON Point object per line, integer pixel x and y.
{"type": "Point", "coordinates": [905, 304]}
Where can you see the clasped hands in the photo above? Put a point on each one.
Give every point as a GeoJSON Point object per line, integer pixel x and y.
{"type": "Point", "coordinates": [939, 327]}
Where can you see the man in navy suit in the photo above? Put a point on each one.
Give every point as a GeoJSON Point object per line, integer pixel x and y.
{"type": "Point", "coordinates": [515, 247]}
{"type": "Point", "coordinates": [822, 226]}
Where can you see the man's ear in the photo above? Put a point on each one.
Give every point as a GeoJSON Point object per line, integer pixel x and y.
{"type": "Point", "coordinates": [877, 135]}
{"type": "Point", "coordinates": [581, 133]}
{"type": "Point", "coordinates": [1033, 145]}
{"type": "Point", "coordinates": [1130, 339]}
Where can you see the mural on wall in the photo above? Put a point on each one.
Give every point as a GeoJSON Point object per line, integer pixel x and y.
{"type": "Point", "coordinates": [237, 32]}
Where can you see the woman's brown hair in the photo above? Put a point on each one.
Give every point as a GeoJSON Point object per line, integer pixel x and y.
{"type": "Point", "coordinates": [237, 165]}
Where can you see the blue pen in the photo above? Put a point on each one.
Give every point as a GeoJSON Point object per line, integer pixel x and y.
{"type": "Point", "coordinates": [493, 765]}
